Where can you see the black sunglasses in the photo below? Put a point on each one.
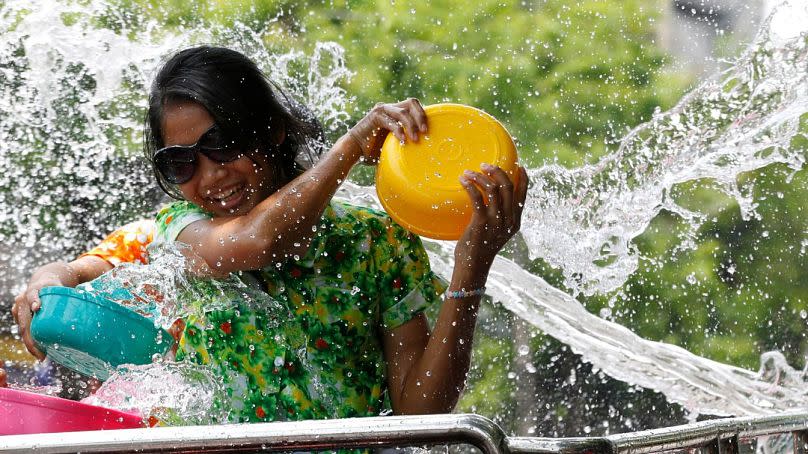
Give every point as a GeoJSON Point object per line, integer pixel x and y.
{"type": "Point", "coordinates": [177, 163]}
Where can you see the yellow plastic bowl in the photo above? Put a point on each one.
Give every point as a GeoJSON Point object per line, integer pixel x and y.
{"type": "Point", "coordinates": [417, 182]}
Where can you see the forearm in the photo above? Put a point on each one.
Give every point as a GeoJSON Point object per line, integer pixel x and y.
{"type": "Point", "coordinates": [279, 226]}
{"type": "Point", "coordinates": [71, 274]}
{"type": "Point", "coordinates": [57, 272]}
{"type": "Point", "coordinates": [283, 222]}
{"type": "Point", "coordinates": [437, 378]}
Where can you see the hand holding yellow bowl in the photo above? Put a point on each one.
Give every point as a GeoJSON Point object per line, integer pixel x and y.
{"type": "Point", "coordinates": [418, 182]}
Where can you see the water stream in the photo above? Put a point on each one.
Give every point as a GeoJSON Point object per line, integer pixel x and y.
{"type": "Point", "coordinates": [71, 104]}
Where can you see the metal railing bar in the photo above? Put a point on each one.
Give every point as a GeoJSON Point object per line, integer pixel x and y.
{"type": "Point", "coordinates": [389, 431]}
{"type": "Point", "coordinates": [701, 433]}
{"type": "Point", "coordinates": [398, 431]}
{"type": "Point", "coordinates": [536, 445]}
{"type": "Point", "coordinates": [689, 436]}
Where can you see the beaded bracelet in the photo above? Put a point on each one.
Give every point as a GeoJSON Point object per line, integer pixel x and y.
{"type": "Point", "coordinates": [463, 293]}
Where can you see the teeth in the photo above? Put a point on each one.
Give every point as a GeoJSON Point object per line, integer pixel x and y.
{"type": "Point", "coordinates": [222, 197]}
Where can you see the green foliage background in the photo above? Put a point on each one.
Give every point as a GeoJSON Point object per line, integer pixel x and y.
{"type": "Point", "coordinates": [568, 79]}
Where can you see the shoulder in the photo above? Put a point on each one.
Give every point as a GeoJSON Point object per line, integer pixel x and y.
{"type": "Point", "coordinates": [175, 216]}
{"type": "Point", "coordinates": [178, 207]}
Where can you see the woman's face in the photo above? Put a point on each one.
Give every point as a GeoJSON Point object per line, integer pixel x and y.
{"type": "Point", "coordinates": [222, 188]}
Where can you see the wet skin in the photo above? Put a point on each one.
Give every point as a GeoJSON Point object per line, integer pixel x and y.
{"type": "Point", "coordinates": [426, 370]}
{"type": "Point", "coordinates": [226, 188]}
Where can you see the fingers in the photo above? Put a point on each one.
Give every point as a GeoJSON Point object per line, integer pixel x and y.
{"type": "Point", "coordinates": [490, 189]}
{"type": "Point", "coordinates": [521, 195]}
{"type": "Point", "coordinates": [476, 197]}
{"type": "Point", "coordinates": [505, 188]}
{"type": "Point", "coordinates": [33, 298]}
{"type": "Point", "coordinates": [418, 114]}
{"type": "Point", "coordinates": [93, 384]}
{"type": "Point", "coordinates": [498, 197]}
{"type": "Point", "coordinates": [384, 118]}
{"type": "Point", "coordinates": [25, 335]}
{"type": "Point", "coordinates": [405, 119]}
{"type": "Point", "coordinates": [22, 312]}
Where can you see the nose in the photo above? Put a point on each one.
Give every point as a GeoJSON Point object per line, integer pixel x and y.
{"type": "Point", "coordinates": [210, 172]}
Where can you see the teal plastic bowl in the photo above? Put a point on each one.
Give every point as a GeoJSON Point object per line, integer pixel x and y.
{"type": "Point", "coordinates": [93, 335]}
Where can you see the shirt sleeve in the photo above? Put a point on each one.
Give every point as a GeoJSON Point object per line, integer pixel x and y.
{"type": "Point", "coordinates": [175, 217]}
{"type": "Point", "coordinates": [408, 284]}
{"type": "Point", "coordinates": [126, 245]}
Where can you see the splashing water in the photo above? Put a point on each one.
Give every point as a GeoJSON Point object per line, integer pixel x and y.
{"type": "Point", "coordinates": [700, 385]}
{"type": "Point", "coordinates": [72, 81]}
{"type": "Point", "coordinates": [176, 284]}
{"type": "Point", "coordinates": [71, 102]}
{"type": "Point", "coordinates": [171, 286]}
{"type": "Point", "coordinates": [173, 393]}
{"type": "Point", "coordinates": [585, 219]}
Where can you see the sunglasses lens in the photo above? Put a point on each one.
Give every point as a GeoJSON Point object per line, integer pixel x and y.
{"type": "Point", "coordinates": [214, 139]}
{"type": "Point", "coordinates": [222, 155]}
{"type": "Point", "coordinates": [176, 165]}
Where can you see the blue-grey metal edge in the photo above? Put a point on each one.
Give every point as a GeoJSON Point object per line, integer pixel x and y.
{"type": "Point", "coordinates": [714, 433]}
{"type": "Point", "coordinates": [387, 431]}
{"type": "Point", "coordinates": [720, 435]}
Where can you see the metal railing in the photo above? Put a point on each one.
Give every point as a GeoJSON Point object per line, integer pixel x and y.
{"type": "Point", "coordinates": [719, 436]}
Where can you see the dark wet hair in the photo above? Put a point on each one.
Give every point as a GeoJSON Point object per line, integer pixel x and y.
{"type": "Point", "coordinates": [244, 104]}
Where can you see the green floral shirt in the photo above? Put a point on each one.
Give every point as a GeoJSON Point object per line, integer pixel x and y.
{"type": "Point", "coordinates": [320, 356]}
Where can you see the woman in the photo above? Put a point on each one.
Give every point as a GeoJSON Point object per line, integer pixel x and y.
{"type": "Point", "coordinates": [221, 137]}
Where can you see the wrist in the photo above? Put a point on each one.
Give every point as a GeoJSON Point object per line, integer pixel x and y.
{"type": "Point", "coordinates": [58, 270]}
{"type": "Point", "coordinates": [465, 293]}
{"type": "Point", "coordinates": [336, 164]}
{"type": "Point", "coordinates": [351, 148]}
{"type": "Point", "coordinates": [470, 273]}
{"type": "Point", "coordinates": [466, 279]}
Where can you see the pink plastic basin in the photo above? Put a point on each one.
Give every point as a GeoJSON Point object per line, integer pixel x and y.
{"type": "Point", "coordinates": [23, 412]}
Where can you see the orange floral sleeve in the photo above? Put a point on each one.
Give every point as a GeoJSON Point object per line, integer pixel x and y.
{"type": "Point", "coordinates": [127, 244]}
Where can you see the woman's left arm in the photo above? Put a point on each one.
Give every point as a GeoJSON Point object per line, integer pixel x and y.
{"type": "Point", "coordinates": [427, 372]}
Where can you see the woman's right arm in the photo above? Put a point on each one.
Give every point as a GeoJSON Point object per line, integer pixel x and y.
{"type": "Point", "coordinates": [126, 244]}
{"type": "Point", "coordinates": [83, 269]}
{"type": "Point", "coordinates": [281, 225]}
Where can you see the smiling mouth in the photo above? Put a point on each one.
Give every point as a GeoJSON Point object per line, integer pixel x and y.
{"type": "Point", "coordinates": [229, 197]}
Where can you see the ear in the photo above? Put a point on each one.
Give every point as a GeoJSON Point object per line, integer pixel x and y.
{"type": "Point", "coordinates": [278, 132]}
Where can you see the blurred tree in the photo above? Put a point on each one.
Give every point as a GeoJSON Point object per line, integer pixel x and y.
{"type": "Point", "coordinates": [567, 79]}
